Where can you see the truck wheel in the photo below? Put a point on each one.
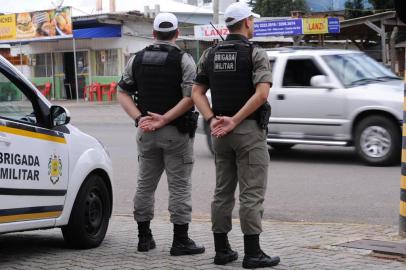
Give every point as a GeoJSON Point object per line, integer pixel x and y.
{"type": "Point", "coordinates": [208, 137]}
{"type": "Point", "coordinates": [378, 141]}
{"type": "Point", "coordinates": [90, 215]}
{"type": "Point", "coordinates": [282, 146]}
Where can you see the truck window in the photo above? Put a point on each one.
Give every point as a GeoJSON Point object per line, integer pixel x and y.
{"type": "Point", "coordinates": [298, 72]}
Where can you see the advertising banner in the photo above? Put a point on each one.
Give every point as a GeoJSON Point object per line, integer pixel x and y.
{"type": "Point", "coordinates": [7, 27]}
{"type": "Point", "coordinates": [315, 26]}
{"type": "Point", "coordinates": [207, 32]}
{"type": "Point", "coordinates": [333, 25]}
{"type": "Point", "coordinates": [289, 27]}
{"type": "Point", "coordinates": [37, 25]}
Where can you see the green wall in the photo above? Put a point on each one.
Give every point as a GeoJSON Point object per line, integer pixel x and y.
{"type": "Point", "coordinates": [105, 79]}
{"type": "Point", "coordinates": [56, 89]}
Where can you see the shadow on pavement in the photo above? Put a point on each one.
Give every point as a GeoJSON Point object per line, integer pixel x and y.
{"type": "Point", "coordinates": [322, 155]}
{"type": "Point", "coordinates": [26, 245]}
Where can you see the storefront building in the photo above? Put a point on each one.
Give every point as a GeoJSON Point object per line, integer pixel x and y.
{"type": "Point", "coordinates": [101, 46]}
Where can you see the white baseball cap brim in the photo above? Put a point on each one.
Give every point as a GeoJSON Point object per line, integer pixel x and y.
{"type": "Point", "coordinates": [165, 22]}
{"type": "Point", "coordinates": [237, 12]}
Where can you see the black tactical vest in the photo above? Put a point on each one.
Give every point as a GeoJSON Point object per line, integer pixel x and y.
{"type": "Point", "coordinates": [229, 67]}
{"type": "Point", "coordinates": [158, 73]}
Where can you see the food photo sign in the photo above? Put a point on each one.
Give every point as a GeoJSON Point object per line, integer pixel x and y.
{"type": "Point", "coordinates": [36, 25]}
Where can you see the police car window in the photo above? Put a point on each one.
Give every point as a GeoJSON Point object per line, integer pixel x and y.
{"type": "Point", "coordinates": [13, 103]}
{"type": "Point", "coordinates": [298, 72]}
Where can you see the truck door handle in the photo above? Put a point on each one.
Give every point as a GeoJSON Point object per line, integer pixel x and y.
{"type": "Point", "coordinates": [5, 140]}
{"type": "Point", "coordinates": [280, 97]}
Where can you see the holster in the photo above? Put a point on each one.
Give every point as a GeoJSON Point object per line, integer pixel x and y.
{"type": "Point", "coordinates": [188, 123]}
{"type": "Point", "coordinates": [264, 115]}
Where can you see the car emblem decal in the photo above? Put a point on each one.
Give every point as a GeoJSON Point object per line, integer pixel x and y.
{"type": "Point", "coordinates": [54, 168]}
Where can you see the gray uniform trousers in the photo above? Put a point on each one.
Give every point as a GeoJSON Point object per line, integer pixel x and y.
{"type": "Point", "coordinates": [241, 157]}
{"type": "Point", "coordinates": [165, 149]}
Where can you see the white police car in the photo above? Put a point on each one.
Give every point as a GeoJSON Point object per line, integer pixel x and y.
{"type": "Point", "coordinates": [51, 173]}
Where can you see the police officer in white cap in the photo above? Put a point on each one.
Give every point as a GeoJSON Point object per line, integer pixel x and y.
{"type": "Point", "coordinates": [239, 77]}
{"type": "Point", "coordinates": [160, 78]}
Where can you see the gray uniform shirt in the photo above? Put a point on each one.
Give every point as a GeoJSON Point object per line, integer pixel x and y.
{"type": "Point", "coordinates": [188, 71]}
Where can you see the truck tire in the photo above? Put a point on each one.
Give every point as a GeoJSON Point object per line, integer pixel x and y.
{"type": "Point", "coordinates": [282, 146]}
{"type": "Point", "coordinates": [378, 141]}
{"type": "Point", "coordinates": [90, 215]}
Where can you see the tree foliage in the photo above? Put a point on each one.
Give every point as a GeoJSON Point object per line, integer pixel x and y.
{"type": "Point", "coordinates": [382, 4]}
{"type": "Point", "coordinates": [354, 9]}
{"type": "Point", "coordinates": [278, 8]}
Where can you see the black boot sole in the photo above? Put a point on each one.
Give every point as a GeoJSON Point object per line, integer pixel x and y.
{"type": "Point", "coordinates": [145, 248]}
{"type": "Point", "coordinates": [180, 252]}
{"type": "Point", "coordinates": [225, 259]}
{"type": "Point", "coordinates": [253, 265]}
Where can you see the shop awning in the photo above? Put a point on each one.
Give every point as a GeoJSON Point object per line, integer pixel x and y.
{"type": "Point", "coordinates": [110, 31]}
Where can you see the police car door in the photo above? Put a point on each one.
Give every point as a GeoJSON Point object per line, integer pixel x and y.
{"type": "Point", "coordinates": [33, 160]}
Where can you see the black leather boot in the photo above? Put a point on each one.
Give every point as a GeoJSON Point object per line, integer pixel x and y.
{"type": "Point", "coordinates": [182, 244]}
{"type": "Point", "coordinates": [145, 238]}
{"type": "Point", "coordinates": [254, 256]}
{"type": "Point", "coordinates": [224, 253]}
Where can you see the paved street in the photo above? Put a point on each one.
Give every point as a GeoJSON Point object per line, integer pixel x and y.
{"type": "Point", "coordinates": [300, 245]}
{"type": "Point", "coordinates": [313, 184]}
{"type": "Point", "coordinates": [316, 184]}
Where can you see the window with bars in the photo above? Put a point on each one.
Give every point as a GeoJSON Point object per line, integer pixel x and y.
{"type": "Point", "coordinates": [41, 65]}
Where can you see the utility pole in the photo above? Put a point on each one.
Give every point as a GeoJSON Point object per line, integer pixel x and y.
{"type": "Point", "coordinates": [215, 11]}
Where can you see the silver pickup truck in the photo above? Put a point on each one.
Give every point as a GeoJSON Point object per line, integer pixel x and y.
{"type": "Point", "coordinates": [334, 98]}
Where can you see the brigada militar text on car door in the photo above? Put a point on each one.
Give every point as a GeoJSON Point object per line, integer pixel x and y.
{"type": "Point", "coordinates": [51, 174]}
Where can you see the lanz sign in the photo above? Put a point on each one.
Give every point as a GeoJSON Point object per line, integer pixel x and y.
{"type": "Point", "coordinates": [207, 32]}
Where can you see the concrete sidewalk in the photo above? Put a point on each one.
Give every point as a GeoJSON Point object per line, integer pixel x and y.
{"type": "Point", "coordinates": [300, 246]}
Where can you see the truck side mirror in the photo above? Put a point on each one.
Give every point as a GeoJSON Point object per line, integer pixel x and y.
{"type": "Point", "coordinates": [321, 81]}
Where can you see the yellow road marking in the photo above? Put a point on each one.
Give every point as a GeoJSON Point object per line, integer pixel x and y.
{"type": "Point", "coordinates": [31, 134]}
{"type": "Point", "coordinates": [22, 217]}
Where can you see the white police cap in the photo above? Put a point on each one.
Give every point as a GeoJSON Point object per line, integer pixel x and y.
{"type": "Point", "coordinates": [165, 22]}
{"type": "Point", "coordinates": [237, 12]}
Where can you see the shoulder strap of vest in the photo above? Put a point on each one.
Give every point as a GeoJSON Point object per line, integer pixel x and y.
{"type": "Point", "coordinates": [162, 47]}
{"type": "Point", "coordinates": [232, 44]}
